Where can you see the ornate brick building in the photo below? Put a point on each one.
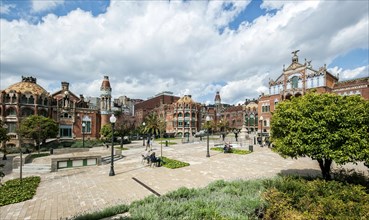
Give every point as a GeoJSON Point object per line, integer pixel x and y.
{"type": "Point", "coordinates": [299, 78]}
{"type": "Point", "coordinates": [27, 98]}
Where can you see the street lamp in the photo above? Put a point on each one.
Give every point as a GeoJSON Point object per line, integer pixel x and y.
{"type": "Point", "coordinates": [236, 131]}
{"type": "Point", "coordinates": [113, 119]}
{"type": "Point", "coordinates": [143, 138]}
{"type": "Point", "coordinates": [207, 141]}
{"type": "Point", "coordinates": [83, 134]}
{"type": "Point", "coordinates": [261, 132]}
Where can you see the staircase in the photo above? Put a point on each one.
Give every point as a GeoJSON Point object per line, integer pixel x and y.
{"type": "Point", "coordinates": [34, 168]}
{"type": "Point", "coordinates": [107, 159]}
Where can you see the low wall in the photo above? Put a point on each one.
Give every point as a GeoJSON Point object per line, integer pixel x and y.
{"type": "Point", "coordinates": [17, 160]}
{"type": "Point", "coordinates": [69, 150]}
{"type": "Point", "coordinates": [78, 161]}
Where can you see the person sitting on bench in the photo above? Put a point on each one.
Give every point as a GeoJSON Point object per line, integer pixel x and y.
{"type": "Point", "coordinates": [155, 160]}
{"type": "Point", "coordinates": [227, 148]}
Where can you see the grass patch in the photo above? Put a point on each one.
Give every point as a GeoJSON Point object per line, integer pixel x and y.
{"type": "Point", "coordinates": [14, 191]}
{"type": "Point", "coordinates": [169, 143]}
{"type": "Point", "coordinates": [233, 151]}
{"type": "Point", "coordinates": [107, 212]}
{"type": "Point", "coordinates": [165, 139]}
{"type": "Point", "coordinates": [277, 198]}
{"type": "Point", "coordinates": [173, 164]}
{"type": "Point", "coordinates": [219, 200]}
{"type": "Point", "coordinates": [121, 148]}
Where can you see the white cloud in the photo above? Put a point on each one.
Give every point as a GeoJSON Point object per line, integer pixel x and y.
{"type": "Point", "coordinates": [6, 8]}
{"type": "Point", "coordinates": [346, 74]}
{"type": "Point", "coordinates": [45, 5]}
{"type": "Point", "coordinates": [154, 46]}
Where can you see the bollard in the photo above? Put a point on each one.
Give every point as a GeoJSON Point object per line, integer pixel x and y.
{"type": "Point", "coordinates": [251, 148]}
{"type": "Point", "coordinates": [166, 143]}
{"type": "Point", "coordinates": [51, 150]}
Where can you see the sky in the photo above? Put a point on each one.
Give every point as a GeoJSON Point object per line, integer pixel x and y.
{"type": "Point", "coordinates": [186, 47]}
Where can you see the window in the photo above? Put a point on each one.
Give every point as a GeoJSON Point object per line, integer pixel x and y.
{"type": "Point", "coordinates": [265, 123]}
{"type": "Point", "coordinates": [294, 82]}
{"type": "Point", "coordinates": [12, 127]}
{"type": "Point", "coordinates": [10, 112]}
{"type": "Point", "coordinates": [27, 112]}
{"type": "Point", "coordinates": [87, 121]}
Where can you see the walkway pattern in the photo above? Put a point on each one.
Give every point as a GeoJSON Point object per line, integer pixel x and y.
{"type": "Point", "coordinates": [69, 192]}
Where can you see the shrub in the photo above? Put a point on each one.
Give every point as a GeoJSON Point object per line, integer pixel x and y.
{"type": "Point", "coordinates": [14, 191]}
{"type": "Point", "coordinates": [296, 198]}
{"type": "Point", "coordinates": [173, 164]}
{"type": "Point", "coordinates": [233, 150]}
{"type": "Point", "coordinates": [107, 212]}
{"type": "Point", "coordinates": [220, 200]}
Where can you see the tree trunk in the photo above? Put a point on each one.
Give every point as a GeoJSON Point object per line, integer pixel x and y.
{"type": "Point", "coordinates": [325, 167]}
{"type": "Point", "coordinates": [121, 141]}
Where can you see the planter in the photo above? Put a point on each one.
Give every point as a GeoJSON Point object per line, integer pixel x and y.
{"type": "Point", "coordinates": [118, 152]}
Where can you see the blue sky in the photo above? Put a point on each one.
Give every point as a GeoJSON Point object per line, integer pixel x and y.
{"type": "Point", "coordinates": [187, 47]}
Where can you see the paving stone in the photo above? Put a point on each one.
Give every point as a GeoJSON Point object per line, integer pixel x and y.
{"type": "Point", "coordinates": [70, 192]}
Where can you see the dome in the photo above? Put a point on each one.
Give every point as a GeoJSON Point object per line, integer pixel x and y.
{"type": "Point", "coordinates": [185, 99]}
{"type": "Point", "coordinates": [29, 85]}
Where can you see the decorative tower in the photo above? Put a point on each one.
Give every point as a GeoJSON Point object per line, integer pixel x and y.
{"type": "Point", "coordinates": [105, 103]}
{"type": "Point", "coordinates": [218, 102]}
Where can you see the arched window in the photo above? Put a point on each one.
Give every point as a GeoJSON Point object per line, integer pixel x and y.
{"type": "Point", "coordinates": [7, 98]}
{"type": "Point", "coordinates": [295, 82]}
{"type": "Point", "coordinates": [31, 100]}
{"type": "Point", "coordinates": [180, 114]}
{"type": "Point", "coordinates": [187, 114]}
{"type": "Point", "coordinates": [23, 99]}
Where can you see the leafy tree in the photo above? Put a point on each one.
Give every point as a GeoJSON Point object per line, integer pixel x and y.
{"type": "Point", "coordinates": [325, 127]}
{"type": "Point", "coordinates": [123, 127]}
{"type": "Point", "coordinates": [107, 131]}
{"type": "Point", "coordinates": [3, 138]}
{"type": "Point", "coordinates": [38, 128]}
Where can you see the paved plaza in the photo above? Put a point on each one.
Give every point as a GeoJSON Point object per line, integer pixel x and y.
{"type": "Point", "coordinates": [69, 192]}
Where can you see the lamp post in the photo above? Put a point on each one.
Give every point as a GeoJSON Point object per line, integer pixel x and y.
{"type": "Point", "coordinates": [236, 131]}
{"type": "Point", "coordinates": [113, 119]}
{"type": "Point", "coordinates": [83, 134]}
{"type": "Point", "coordinates": [207, 141]}
{"type": "Point", "coordinates": [261, 132]}
{"type": "Point", "coordinates": [143, 138]}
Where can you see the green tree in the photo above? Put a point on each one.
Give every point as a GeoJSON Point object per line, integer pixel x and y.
{"type": "Point", "coordinates": [38, 128]}
{"type": "Point", "coordinates": [107, 131]}
{"type": "Point", "coordinates": [123, 127]}
{"type": "Point", "coordinates": [3, 138]}
{"type": "Point", "coordinates": [152, 124]}
{"type": "Point", "coordinates": [325, 127]}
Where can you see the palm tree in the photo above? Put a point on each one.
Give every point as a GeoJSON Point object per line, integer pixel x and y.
{"type": "Point", "coordinates": [152, 124]}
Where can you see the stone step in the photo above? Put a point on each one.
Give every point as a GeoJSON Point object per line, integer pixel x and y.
{"type": "Point", "coordinates": [34, 168]}
{"type": "Point", "coordinates": [107, 159]}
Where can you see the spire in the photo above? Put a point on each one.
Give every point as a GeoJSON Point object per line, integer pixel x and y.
{"type": "Point", "coordinates": [217, 98]}
{"type": "Point", "coordinates": [105, 85]}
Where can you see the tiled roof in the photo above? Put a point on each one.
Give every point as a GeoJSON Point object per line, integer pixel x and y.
{"type": "Point", "coordinates": [24, 87]}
